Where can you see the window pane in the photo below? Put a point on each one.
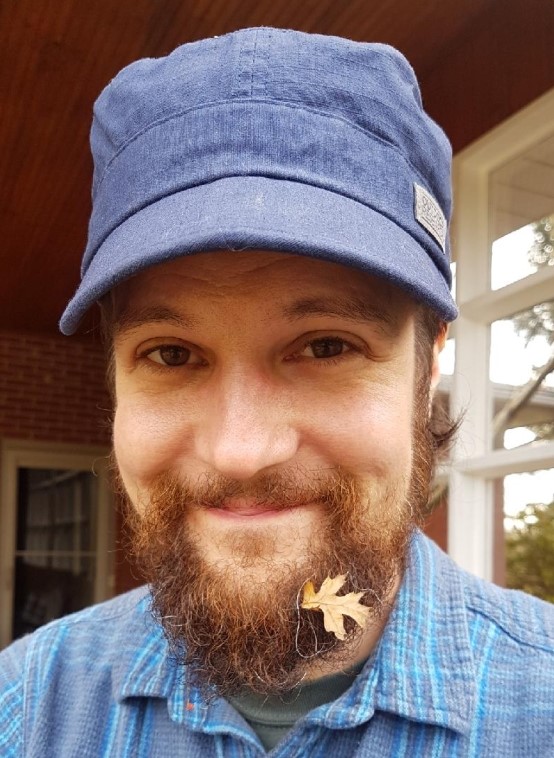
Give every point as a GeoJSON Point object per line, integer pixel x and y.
{"type": "Point", "coordinates": [528, 508]}
{"type": "Point", "coordinates": [56, 525]}
{"type": "Point", "coordinates": [519, 436]}
{"type": "Point", "coordinates": [522, 215]}
{"type": "Point", "coordinates": [521, 349]}
{"type": "Point", "coordinates": [513, 257]}
{"type": "Point", "coordinates": [47, 587]}
{"type": "Point", "coordinates": [55, 510]}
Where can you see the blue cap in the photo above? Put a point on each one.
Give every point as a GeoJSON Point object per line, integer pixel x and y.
{"type": "Point", "coordinates": [269, 139]}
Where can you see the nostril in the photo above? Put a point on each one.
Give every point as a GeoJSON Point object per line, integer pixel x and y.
{"type": "Point", "coordinates": [243, 456]}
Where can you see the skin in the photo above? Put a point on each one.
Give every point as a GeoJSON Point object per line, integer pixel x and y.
{"type": "Point", "coordinates": [245, 363]}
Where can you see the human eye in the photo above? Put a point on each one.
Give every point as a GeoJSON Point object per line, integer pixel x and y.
{"type": "Point", "coordinates": [328, 348]}
{"type": "Point", "coordinates": [325, 347]}
{"type": "Point", "coordinates": [172, 355]}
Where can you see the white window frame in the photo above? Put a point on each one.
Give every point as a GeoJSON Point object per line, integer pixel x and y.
{"type": "Point", "coordinates": [28, 454]}
{"type": "Point", "coordinates": [475, 464]}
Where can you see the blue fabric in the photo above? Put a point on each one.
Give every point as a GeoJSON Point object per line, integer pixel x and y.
{"type": "Point", "coordinates": [463, 669]}
{"type": "Point", "coordinates": [268, 139]}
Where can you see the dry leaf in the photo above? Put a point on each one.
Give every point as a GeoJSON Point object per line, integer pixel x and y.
{"type": "Point", "coordinates": [335, 607]}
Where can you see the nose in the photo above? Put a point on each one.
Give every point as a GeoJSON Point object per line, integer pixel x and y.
{"type": "Point", "coordinates": [246, 427]}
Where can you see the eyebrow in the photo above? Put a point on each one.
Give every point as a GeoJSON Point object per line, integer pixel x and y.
{"type": "Point", "coordinates": [351, 309]}
{"type": "Point", "coordinates": [133, 318]}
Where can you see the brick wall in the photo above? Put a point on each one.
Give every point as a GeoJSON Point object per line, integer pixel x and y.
{"type": "Point", "coordinates": [436, 525]}
{"type": "Point", "coordinates": [52, 389]}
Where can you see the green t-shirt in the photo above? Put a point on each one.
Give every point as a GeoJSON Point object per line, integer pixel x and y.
{"type": "Point", "coordinates": [272, 716]}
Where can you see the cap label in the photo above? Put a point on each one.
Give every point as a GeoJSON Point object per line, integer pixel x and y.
{"type": "Point", "coordinates": [429, 214]}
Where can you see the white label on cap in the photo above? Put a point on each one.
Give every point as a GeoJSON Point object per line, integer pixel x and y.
{"type": "Point", "coordinates": [428, 213]}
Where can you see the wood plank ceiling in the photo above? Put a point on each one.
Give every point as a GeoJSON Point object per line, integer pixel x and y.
{"type": "Point", "coordinates": [478, 61]}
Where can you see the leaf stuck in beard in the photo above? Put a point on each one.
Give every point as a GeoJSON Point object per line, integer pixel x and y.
{"type": "Point", "coordinates": [335, 607]}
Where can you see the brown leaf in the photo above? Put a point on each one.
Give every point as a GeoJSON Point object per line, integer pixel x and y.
{"type": "Point", "coordinates": [334, 607]}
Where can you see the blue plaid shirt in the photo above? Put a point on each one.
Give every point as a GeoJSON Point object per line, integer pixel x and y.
{"type": "Point", "coordinates": [463, 668]}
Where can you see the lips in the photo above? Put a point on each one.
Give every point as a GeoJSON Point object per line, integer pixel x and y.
{"type": "Point", "coordinates": [246, 508]}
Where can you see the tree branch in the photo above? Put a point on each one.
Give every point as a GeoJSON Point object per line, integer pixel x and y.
{"type": "Point", "coordinates": [518, 400]}
{"type": "Point", "coordinates": [504, 415]}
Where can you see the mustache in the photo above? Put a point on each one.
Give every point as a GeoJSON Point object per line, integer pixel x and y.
{"type": "Point", "coordinates": [235, 627]}
{"type": "Point", "coordinates": [295, 487]}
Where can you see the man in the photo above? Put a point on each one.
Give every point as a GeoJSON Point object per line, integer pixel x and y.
{"type": "Point", "coordinates": [269, 248]}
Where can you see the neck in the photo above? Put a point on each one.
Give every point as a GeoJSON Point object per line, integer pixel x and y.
{"type": "Point", "coordinates": [361, 648]}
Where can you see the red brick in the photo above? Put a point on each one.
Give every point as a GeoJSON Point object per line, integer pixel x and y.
{"type": "Point", "coordinates": [53, 388]}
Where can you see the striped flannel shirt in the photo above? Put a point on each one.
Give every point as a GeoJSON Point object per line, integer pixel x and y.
{"type": "Point", "coordinates": [463, 668]}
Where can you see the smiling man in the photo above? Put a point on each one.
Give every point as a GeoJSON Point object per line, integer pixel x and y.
{"type": "Point", "coordinates": [244, 382]}
{"type": "Point", "coordinates": [269, 248]}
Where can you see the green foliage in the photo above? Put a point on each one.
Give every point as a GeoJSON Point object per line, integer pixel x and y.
{"type": "Point", "coordinates": [530, 551]}
{"type": "Point", "coordinates": [539, 320]}
{"type": "Point", "coordinates": [542, 250]}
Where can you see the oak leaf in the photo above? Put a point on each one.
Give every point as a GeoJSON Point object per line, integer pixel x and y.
{"type": "Point", "coordinates": [335, 607]}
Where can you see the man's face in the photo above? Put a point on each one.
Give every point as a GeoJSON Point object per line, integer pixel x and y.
{"type": "Point", "coordinates": [264, 433]}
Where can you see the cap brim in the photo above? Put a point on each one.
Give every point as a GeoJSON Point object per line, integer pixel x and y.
{"type": "Point", "coordinates": [257, 212]}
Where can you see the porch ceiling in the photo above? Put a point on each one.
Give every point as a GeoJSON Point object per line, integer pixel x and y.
{"type": "Point", "coordinates": [478, 61]}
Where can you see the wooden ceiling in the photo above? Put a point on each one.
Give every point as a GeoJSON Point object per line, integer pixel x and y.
{"type": "Point", "coordinates": [478, 61]}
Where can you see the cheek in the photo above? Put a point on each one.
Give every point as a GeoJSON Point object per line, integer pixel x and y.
{"type": "Point", "coordinates": [147, 439]}
{"type": "Point", "coordinates": [368, 431]}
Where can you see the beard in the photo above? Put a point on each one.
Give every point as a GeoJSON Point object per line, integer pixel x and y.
{"type": "Point", "coordinates": [238, 624]}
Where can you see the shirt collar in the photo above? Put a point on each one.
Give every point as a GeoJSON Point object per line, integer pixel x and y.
{"type": "Point", "coordinates": [144, 665]}
{"type": "Point", "coordinates": [422, 668]}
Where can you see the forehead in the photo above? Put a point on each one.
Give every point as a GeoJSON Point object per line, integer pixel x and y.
{"type": "Point", "coordinates": [275, 282]}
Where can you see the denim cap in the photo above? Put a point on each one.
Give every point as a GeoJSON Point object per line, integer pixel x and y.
{"type": "Point", "coordinates": [269, 139]}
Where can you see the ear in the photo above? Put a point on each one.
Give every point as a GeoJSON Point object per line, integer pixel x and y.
{"type": "Point", "coordinates": [437, 347]}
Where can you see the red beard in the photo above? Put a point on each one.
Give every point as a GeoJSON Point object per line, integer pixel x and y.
{"type": "Point", "coordinates": [234, 631]}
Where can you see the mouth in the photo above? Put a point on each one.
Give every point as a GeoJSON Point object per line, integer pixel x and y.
{"type": "Point", "coordinates": [244, 509]}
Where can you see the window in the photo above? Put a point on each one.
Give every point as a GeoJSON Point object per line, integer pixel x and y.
{"type": "Point", "coordinates": [56, 526]}
{"type": "Point", "coordinates": [504, 193]}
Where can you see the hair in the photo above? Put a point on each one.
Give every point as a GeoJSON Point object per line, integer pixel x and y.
{"type": "Point", "coordinates": [429, 327]}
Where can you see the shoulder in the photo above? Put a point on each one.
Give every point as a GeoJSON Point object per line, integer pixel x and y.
{"type": "Point", "coordinates": [510, 636]}
{"type": "Point", "coordinates": [496, 647]}
{"type": "Point", "coordinates": [71, 671]}
{"type": "Point", "coordinates": [11, 699]}
{"type": "Point", "coordinates": [504, 613]}
{"type": "Point", "coordinates": [522, 619]}
{"type": "Point", "coordinates": [84, 627]}
{"type": "Point", "coordinates": [95, 633]}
